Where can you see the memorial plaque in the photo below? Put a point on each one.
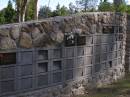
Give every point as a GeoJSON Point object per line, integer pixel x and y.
{"type": "Point", "coordinates": [70, 39]}
{"type": "Point", "coordinates": [81, 40]}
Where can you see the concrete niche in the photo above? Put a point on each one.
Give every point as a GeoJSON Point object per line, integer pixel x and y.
{"type": "Point", "coordinates": [89, 40]}
{"type": "Point", "coordinates": [88, 60]}
{"type": "Point", "coordinates": [7, 72]}
{"type": "Point", "coordinates": [57, 53]}
{"type": "Point", "coordinates": [80, 61]}
{"type": "Point", "coordinates": [97, 58]}
{"type": "Point", "coordinates": [57, 65]}
{"type": "Point", "coordinates": [42, 67]}
{"type": "Point", "coordinates": [26, 83]}
{"type": "Point", "coordinates": [7, 58]}
{"type": "Point", "coordinates": [43, 54]}
{"type": "Point", "coordinates": [79, 72]}
{"type": "Point", "coordinates": [88, 70]}
{"type": "Point", "coordinates": [88, 50]}
{"type": "Point", "coordinates": [69, 52]}
{"type": "Point", "coordinates": [104, 48]}
{"type": "Point", "coordinates": [26, 70]}
{"type": "Point", "coordinates": [97, 67]}
{"type": "Point", "coordinates": [57, 77]}
{"type": "Point", "coordinates": [97, 39]}
{"type": "Point", "coordinates": [69, 63]}
{"type": "Point", "coordinates": [42, 80]}
{"type": "Point", "coordinates": [26, 58]}
{"type": "Point", "coordinates": [68, 74]}
{"type": "Point", "coordinates": [104, 56]}
{"type": "Point", "coordinates": [7, 86]}
{"type": "Point", "coordinates": [80, 51]}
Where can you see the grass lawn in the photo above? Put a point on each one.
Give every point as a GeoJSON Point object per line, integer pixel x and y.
{"type": "Point", "coordinates": [118, 89]}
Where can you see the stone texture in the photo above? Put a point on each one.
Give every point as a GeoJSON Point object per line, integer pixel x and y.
{"type": "Point", "coordinates": [25, 40]}
{"type": "Point", "coordinates": [7, 43]}
{"type": "Point", "coordinates": [15, 32]}
{"type": "Point", "coordinates": [4, 32]}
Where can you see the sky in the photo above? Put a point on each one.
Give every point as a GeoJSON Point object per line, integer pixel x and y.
{"type": "Point", "coordinates": [52, 5]}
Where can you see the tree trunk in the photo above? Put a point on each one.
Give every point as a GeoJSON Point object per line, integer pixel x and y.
{"type": "Point", "coordinates": [35, 9]}
{"type": "Point", "coordinates": [25, 4]}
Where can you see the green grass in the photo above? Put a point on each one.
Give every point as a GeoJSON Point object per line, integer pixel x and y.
{"type": "Point", "coordinates": [117, 89]}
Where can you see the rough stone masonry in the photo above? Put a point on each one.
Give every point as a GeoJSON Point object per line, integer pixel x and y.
{"type": "Point", "coordinates": [62, 56]}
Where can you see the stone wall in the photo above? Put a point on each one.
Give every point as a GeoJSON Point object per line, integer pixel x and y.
{"type": "Point", "coordinates": [69, 53]}
{"type": "Point", "coordinates": [127, 57]}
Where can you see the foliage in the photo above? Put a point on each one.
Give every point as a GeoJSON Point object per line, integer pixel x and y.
{"type": "Point", "coordinates": [121, 88]}
{"type": "Point", "coordinates": [9, 13]}
{"type": "Point", "coordinates": [86, 4]}
{"type": "Point", "coordinates": [106, 6]}
{"type": "Point", "coordinates": [128, 9]}
{"type": "Point", "coordinates": [2, 18]}
{"type": "Point", "coordinates": [30, 11]}
{"type": "Point", "coordinates": [122, 8]}
{"type": "Point", "coordinates": [60, 11]}
{"type": "Point", "coordinates": [45, 12]}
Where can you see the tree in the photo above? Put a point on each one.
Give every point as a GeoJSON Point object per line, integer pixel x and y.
{"type": "Point", "coordinates": [2, 18]}
{"type": "Point", "coordinates": [60, 11]}
{"type": "Point", "coordinates": [72, 8]}
{"type": "Point", "coordinates": [21, 6]}
{"type": "Point", "coordinates": [9, 13]}
{"type": "Point", "coordinates": [35, 9]}
{"type": "Point", "coordinates": [45, 12]}
{"type": "Point", "coordinates": [86, 4]}
{"type": "Point", "coordinates": [106, 6]}
{"type": "Point", "coordinates": [128, 9]}
{"type": "Point", "coordinates": [64, 11]}
{"type": "Point", "coordinates": [30, 13]}
{"type": "Point", "coordinates": [118, 2]}
{"type": "Point", "coordinates": [122, 7]}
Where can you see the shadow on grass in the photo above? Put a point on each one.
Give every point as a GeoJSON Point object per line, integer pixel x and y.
{"type": "Point", "coordinates": [117, 89]}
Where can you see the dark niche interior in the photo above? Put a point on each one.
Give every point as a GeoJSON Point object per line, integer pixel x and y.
{"type": "Point", "coordinates": [108, 29]}
{"type": "Point", "coordinates": [7, 58]}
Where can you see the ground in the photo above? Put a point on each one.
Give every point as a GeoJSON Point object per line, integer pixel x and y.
{"type": "Point", "coordinates": [117, 89]}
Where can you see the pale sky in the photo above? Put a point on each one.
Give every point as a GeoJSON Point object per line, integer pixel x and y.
{"type": "Point", "coordinates": [53, 3]}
